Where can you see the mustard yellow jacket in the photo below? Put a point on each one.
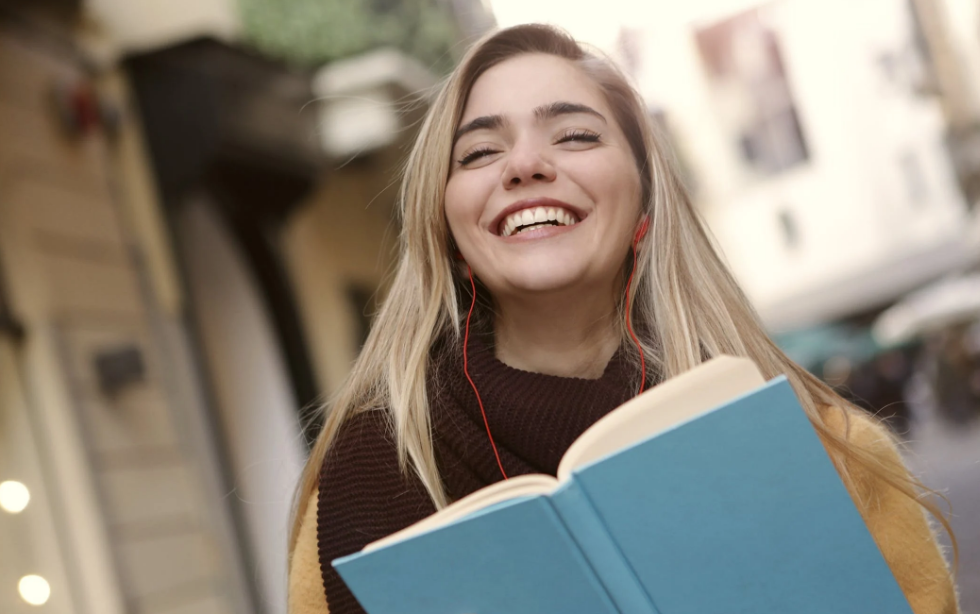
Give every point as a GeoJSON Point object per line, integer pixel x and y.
{"type": "Point", "coordinates": [898, 524]}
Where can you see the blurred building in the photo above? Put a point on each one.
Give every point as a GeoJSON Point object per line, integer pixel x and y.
{"type": "Point", "coordinates": [188, 262]}
{"type": "Point", "coordinates": [823, 131]}
{"type": "Point", "coordinates": [950, 34]}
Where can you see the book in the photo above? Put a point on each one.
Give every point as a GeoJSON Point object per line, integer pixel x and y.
{"type": "Point", "coordinates": [708, 494]}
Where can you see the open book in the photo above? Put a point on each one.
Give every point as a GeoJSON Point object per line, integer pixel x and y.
{"type": "Point", "coordinates": [710, 493]}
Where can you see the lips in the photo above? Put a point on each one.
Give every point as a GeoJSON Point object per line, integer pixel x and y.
{"type": "Point", "coordinates": [534, 213]}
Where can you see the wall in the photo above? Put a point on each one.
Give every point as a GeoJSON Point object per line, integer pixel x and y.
{"type": "Point", "coordinates": [254, 402]}
{"type": "Point", "coordinates": [147, 24]}
{"type": "Point", "coordinates": [30, 540]}
{"type": "Point", "coordinates": [144, 524]}
{"type": "Point", "coordinates": [344, 237]}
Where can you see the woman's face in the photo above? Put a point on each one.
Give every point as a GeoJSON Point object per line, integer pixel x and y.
{"type": "Point", "coordinates": [543, 192]}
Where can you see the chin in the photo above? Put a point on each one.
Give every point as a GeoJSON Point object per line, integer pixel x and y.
{"type": "Point", "coordinates": [543, 281]}
{"type": "Point", "coordinates": [557, 271]}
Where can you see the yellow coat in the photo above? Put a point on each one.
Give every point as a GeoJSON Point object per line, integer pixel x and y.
{"type": "Point", "coordinates": [898, 524]}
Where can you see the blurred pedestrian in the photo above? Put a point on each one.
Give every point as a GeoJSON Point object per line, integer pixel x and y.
{"type": "Point", "coordinates": [957, 375]}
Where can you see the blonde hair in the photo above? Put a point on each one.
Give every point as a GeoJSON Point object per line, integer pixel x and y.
{"type": "Point", "coordinates": [683, 295]}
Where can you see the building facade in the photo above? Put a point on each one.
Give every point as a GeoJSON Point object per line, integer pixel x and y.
{"type": "Point", "coordinates": [185, 275]}
{"type": "Point", "coordinates": [818, 141]}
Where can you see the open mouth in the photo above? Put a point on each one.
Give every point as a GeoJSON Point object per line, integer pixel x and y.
{"type": "Point", "coordinates": [535, 217]}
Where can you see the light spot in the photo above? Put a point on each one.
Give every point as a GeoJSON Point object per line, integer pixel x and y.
{"type": "Point", "coordinates": [14, 496]}
{"type": "Point", "coordinates": [35, 590]}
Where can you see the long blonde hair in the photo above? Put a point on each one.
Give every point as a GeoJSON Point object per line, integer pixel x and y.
{"type": "Point", "coordinates": [689, 304]}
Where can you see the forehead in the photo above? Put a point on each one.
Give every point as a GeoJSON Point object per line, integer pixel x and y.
{"type": "Point", "coordinates": [520, 84]}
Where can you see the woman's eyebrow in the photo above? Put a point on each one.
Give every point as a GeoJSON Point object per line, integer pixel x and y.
{"type": "Point", "coordinates": [553, 110]}
{"type": "Point", "coordinates": [542, 113]}
{"type": "Point", "coordinates": [485, 122]}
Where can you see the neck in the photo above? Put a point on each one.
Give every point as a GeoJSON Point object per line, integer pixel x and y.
{"type": "Point", "coordinates": [556, 335]}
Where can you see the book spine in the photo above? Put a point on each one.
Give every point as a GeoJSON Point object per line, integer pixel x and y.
{"type": "Point", "coordinates": [589, 532]}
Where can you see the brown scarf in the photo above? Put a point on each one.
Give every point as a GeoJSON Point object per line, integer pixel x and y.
{"type": "Point", "coordinates": [533, 417]}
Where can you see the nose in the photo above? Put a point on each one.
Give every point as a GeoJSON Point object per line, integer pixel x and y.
{"type": "Point", "coordinates": [527, 164]}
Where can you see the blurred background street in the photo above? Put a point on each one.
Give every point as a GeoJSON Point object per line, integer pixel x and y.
{"type": "Point", "coordinates": [197, 214]}
{"type": "Point", "coordinates": [948, 461]}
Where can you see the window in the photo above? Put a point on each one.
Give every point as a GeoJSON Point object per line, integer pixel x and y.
{"type": "Point", "coordinates": [748, 81]}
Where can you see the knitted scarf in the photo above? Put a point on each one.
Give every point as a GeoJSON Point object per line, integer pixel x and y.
{"type": "Point", "coordinates": [534, 418]}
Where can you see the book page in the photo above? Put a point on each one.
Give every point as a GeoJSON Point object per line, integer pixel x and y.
{"type": "Point", "coordinates": [662, 407]}
{"type": "Point", "coordinates": [520, 486]}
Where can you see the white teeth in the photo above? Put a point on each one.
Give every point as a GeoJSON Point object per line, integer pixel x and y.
{"type": "Point", "coordinates": [536, 215]}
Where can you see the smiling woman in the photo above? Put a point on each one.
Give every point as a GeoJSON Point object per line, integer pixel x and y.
{"type": "Point", "coordinates": [542, 198]}
{"type": "Point", "coordinates": [541, 217]}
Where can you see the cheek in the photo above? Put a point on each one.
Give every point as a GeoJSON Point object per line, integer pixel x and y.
{"type": "Point", "coordinates": [464, 203]}
{"type": "Point", "coordinates": [455, 207]}
{"type": "Point", "coordinates": [622, 193]}
{"type": "Point", "coordinates": [626, 183]}
{"type": "Point", "coordinates": [609, 184]}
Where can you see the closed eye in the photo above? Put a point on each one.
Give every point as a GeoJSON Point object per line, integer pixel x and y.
{"type": "Point", "coordinates": [572, 136]}
{"type": "Point", "coordinates": [583, 136]}
{"type": "Point", "coordinates": [476, 154]}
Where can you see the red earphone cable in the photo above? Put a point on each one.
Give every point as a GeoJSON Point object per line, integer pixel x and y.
{"type": "Point", "coordinates": [466, 343]}
{"type": "Point", "coordinates": [629, 325]}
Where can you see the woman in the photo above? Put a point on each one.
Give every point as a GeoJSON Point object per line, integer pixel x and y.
{"type": "Point", "coordinates": [542, 220]}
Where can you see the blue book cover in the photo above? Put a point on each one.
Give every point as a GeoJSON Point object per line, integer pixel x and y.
{"type": "Point", "coordinates": [736, 510]}
{"type": "Point", "coordinates": [742, 511]}
{"type": "Point", "coordinates": [516, 558]}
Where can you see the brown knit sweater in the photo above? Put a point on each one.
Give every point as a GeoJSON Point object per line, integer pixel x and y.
{"type": "Point", "coordinates": [534, 418]}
